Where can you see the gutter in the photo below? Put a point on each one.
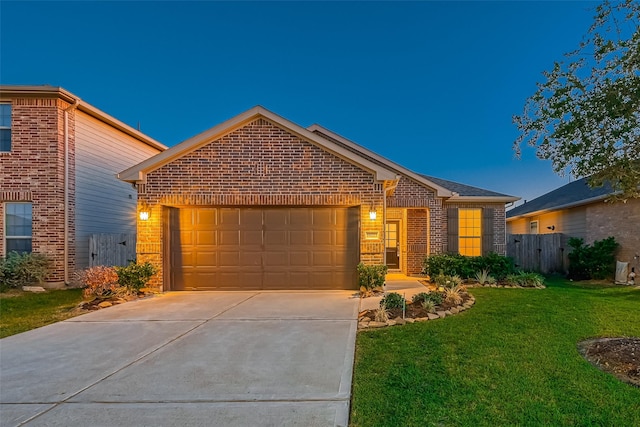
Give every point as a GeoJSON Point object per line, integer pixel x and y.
{"type": "Point", "coordinates": [559, 207]}
{"type": "Point", "coordinates": [66, 188]}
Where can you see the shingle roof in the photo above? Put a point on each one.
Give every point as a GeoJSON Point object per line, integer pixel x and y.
{"type": "Point", "coordinates": [571, 194]}
{"type": "Point", "coordinates": [463, 189]}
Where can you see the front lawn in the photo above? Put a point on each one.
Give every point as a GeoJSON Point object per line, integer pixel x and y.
{"type": "Point", "coordinates": [22, 311]}
{"type": "Point", "coordinates": [509, 360]}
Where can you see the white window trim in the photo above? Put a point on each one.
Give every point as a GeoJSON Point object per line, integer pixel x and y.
{"type": "Point", "coordinates": [537, 223]}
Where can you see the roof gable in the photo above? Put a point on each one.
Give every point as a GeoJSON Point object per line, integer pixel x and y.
{"type": "Point", "coordinates": [573, 194]}
{"type": "Point", "coordinates": [138, 173]}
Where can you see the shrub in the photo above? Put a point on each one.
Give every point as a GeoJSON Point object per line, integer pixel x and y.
{"type": "Point", "coordinates": [135, 276]}
{"type": "Point", "coordinates": [420, 298]}
{"type": "Point", "coordinates": [392, 300]}
{"type": "Point", "coordinates": [23, 269]}
{"type": "Point", "coordinates": [99, 281]}
{"type": "Point", "coordinates": [592, 262]}
{"type": "Point", "coordinates": [525, 280]}
{"type": "Point", "coordinates": [466, 267]}
{"type": "Point", "coordinates": [371, 277]}
{"type": "Point", "coordinates": [445, 281]}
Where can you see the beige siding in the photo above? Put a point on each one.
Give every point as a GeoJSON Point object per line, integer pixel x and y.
{"type": "Point", "coordinates": [104, 204]}
{"type": "Point", "coordinates": [572, 222]}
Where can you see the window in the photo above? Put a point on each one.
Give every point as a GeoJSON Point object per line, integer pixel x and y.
{"type": "Point", "coordinates": [533, 227]}
{"type": "Point", "coordinates": [18, 227]}
{"type": "Point", "coordinates": [5, 127]}
{"type": "Point", "coordinates": [470, 232]}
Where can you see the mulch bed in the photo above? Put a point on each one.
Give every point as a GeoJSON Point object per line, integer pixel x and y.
{"type": "Point", "coordinates": [414, 311]}
{"type": "Point", "coordinates": [617, 356]}
{"type": "Point", "coordinates": [99, 303]}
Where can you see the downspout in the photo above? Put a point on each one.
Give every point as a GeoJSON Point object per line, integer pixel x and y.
{"type": "Point", "coordinates": [384, 220]}
{"type": "Point", "coordinates": [66, 188]}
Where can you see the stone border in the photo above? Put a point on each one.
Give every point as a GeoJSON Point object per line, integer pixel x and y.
{"type": "Point", "coordinates": [495, 285]}
{"type": "Point", "coordinates": [367, 323]}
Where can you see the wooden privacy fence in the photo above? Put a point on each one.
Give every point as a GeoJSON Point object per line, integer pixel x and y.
{"type": "Point", "coordinates": [112, 249]}
{"type": "Point", "coordinates": [544, 253]}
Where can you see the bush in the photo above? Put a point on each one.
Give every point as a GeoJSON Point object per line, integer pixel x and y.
{"type": "Point", "coordinates": [135, 276]}
{"type": "Point", "coordinates": [392, 300]}
{"type": "Point", "coordinates": [423, 297]}
{"type": "Point", "coordinates": [592, 262]}
{"type": "Point", "coordinates": [99, 281]}
{"type": "Point", "coordinates": [371, 277]}
{"type": "Point", "coordinates": [466, 267]}
{"type": "Point", "coordinates": [23, 269]}
{"type": "Point", "coordinates": [525, 280]}
{"type": "Point", "coordinates": [453, 294]}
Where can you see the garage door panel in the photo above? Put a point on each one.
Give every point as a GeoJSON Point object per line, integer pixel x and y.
{"type": "Point", "coordinates": [250, 258]}
{"type": "Point", "coordinates": [299, 258]}
{"type": "Point", "coordinates": [300, 237]}
{"type": "Point", "coordinates": [228, 218]}
{"type": "Point", "coordinates": [229, 259]}
{"type": "Point", "coordinates": [276, 237]}
{"type": "Point", "coordinates": [264, 248]}
{"type": "Point", "coordinates": [205, 258]}
{"type": "Point", "coordinates": [206, 219]}
{"type": "Point", "coordinates": [323, 217]}
{"type": "Point", "coordinates": [322, 258]}
{"type": "Point", "coordinates": [322, 237]}
{"type": "Point", "coordinates": [203, 238]}
{"type": "Point", "coordinates": [251, 237]}
{"type": "Point", "coordinates": [229, 237]}
{"type": "Point", "coordinates": [275, 258]}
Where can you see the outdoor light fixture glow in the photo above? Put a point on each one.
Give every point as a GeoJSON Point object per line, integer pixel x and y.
{"type": "Point", "coordinates": [145, 212]}
{"type": "Point", "coordinates": [372, 213]}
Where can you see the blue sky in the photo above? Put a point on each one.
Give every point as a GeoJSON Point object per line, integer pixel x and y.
{"type": "Point", "coordinates": [430, 85]}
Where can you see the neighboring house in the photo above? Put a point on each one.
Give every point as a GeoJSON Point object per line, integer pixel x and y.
{"type": "Point", "coordinates": [59, 157]}
{"type": "Point", "coordinates": [576, 210]}
{"type": "Point", "coordinates": [259, 202]}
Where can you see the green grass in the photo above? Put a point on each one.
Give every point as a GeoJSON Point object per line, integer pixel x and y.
{"type": "Point", "coordinates": [509, 361]}
{"type": "Point", "coordinates": [20, 312]}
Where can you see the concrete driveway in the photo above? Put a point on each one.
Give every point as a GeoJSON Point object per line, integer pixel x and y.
{"type": "Point", "coordinates": [187, 359]}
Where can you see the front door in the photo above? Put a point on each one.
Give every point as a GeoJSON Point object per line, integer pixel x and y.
{"type": "Point", "coordinates": [392, 244]}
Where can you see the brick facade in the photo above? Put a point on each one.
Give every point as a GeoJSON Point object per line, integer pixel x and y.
{"type": "Point", "coordinates": [258, 164]}
{"type": "Point", "coordinates": [33, 171]}
{"type": "Point", "coordinates": [619, 220]}
{"type": "Point", "coordinates": [262, 163]}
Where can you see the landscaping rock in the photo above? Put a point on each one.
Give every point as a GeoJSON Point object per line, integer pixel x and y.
{"type": "Point", "coordinates": [105, 304]}
{"type": "Point", "coordinates": [422, 319]}
{"type": "Point", "coordinates": [377, 324]}
{"type": "Point", "coordinates": [391, 322]}
{"type": "Point", "coordinates": [409, 320]}
{"type": "Point", "coordinates": [400, 321]}
{"type": "Point", "coordinates": [366, 319]}
{"type": "Point", "coordinates": [433, 316]}
{"type": "Point", "coordinates": [442, 314]}
{"type": "Point", "coordinates": [33, 289]}
{"type": "Point", "coordinates": [454, 310]}
{"type": "Point", "coordinates": [448, 313]}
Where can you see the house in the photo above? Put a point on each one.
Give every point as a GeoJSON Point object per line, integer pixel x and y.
{"type": "Point", "coordinates": [577, 210]}
{"type": "Point", "coordinates": [259, 202]}
{"type": "Point", "coordinates": [59, 157]}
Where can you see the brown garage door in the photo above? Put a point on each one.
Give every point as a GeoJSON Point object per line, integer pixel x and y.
{"type": "Point", "coordinates": [264, 248]}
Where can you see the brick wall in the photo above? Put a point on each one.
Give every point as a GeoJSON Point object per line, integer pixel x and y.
{"type": "Point", "coordinates": [33, 171]}
{"type": "Point", "coordinates": [499, 224]}
{"type": "Point", "coordinates": [620, 220]}
{"type": "Point", "coordinates": [258, 164]}
{"type": "Point", "coordinates": [417, 239]}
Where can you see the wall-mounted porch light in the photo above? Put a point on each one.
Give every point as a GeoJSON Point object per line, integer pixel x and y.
{"type": "Point", "coordinates": [372, 212]}
{"type": "Point", "coordinates": [551, 227]}
{"type": "Point", "coordinates": [145, 212]}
